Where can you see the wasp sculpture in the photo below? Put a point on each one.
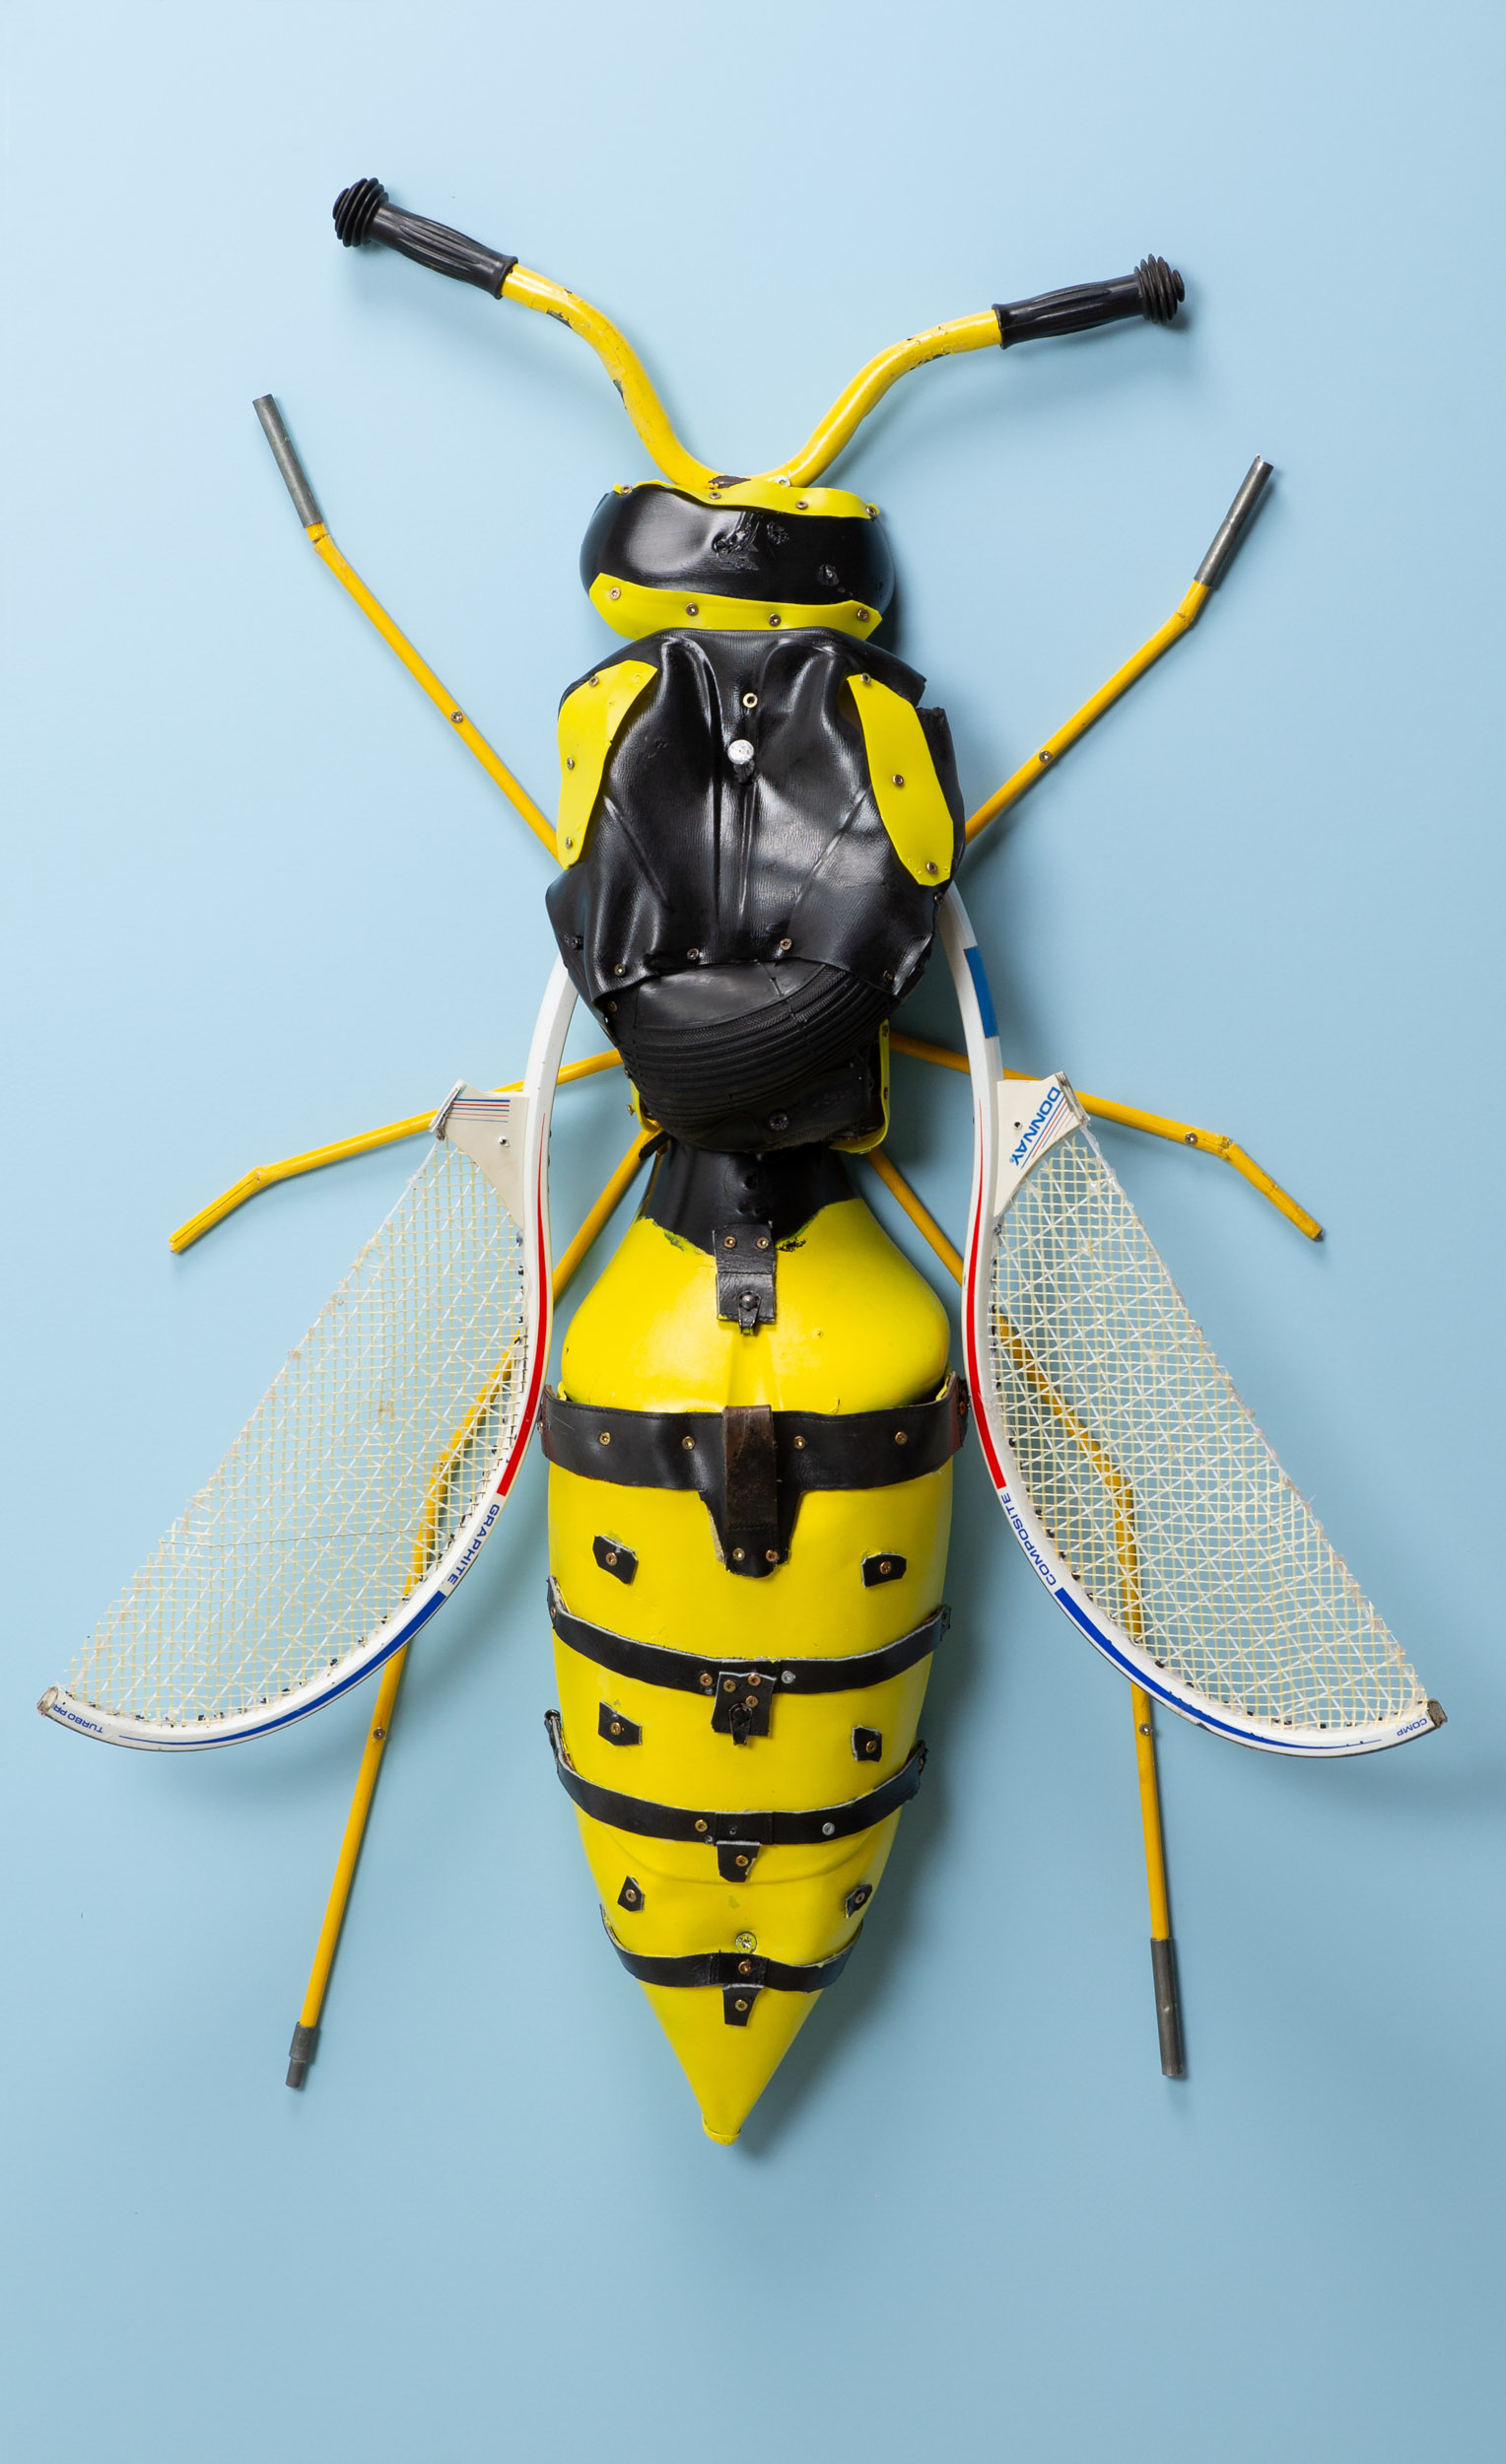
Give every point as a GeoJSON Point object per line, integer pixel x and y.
{"type": "Point", "coordinates": [752, 1432]}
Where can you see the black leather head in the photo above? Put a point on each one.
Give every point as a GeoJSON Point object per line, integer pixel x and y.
{"type": "Point", "coordinates": [663, 541]}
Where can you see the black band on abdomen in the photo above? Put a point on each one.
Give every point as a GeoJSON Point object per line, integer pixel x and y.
{"type": "Point", "coordinates": [750, 1466]}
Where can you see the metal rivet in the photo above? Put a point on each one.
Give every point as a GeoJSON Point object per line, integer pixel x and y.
{"type": "Point", "coordinates": [789, 1678]}
{"type": "Point", "coordinates": [799, 1444]}
{"type": "Point", "coordinates": [750, 701]}
{"type": "Point", "coordinates": [739, 1555]}
{"type": "Point", "coordinates": [570, 842]}
{"type": "Point", "coordinates": [884, 1565]}
{"type": "Point", "coordinates": [745, 1941]}
{"type": "Point", "coordinates": [763, 1240]}
{"type": "Point", "coordinates": [868, 680]}
{"type": "Point", "coordinates": [688, 1443]}
{"type": "Point", "coordinates": [775, 620]}
{"type": "Point", "coordinates": [750, 1702]}
{"type": "Point", "coordinates": [787, 945]}
{"type": "Point", "coordinates": [706, 1679]}
{"type": "Point", "coordinates": [604, 1437]}
{"type": "Point", "coordinates": [614, 594]}
{"type": "Point", "coordinates": [899, 777]}
{"type": "Point", "coordinates": [596, 679]}
{"type": "Point", "coordinates": [730, 1684]}
{"type": "Point", "coordinates": [828, 1830]}
{"type": "Point", "coordinates": [570, 761]}
{"type": "Point", "coordinates": [931, 868]}
{"type": "Point", "coordinates": [900, 1438]}
{"type": "Point", "coordinates": [744, 1967]}
{"type": "Point", "coordinates": [771, 1556]}
{"type": "Point", "coordinates": [611, 1556]}
{"type": "Point", "coordinates": [864, 617]}
{"type": "Point", "coordinates": [457, 718]}
{"type": "Point", "coordinates": [729, 1240]}
{"type": "Point", "coordinates": [692, 609]}
{"type": "Point", "coordinates": [742, 2006]}
{"type": "Point", "coordinates": [700, 1823]}
{"type": "Point", "coordinates": [616, 1728]}
{"type": "Point", "coordinates": [802, 504]}
{"type": "Point", "coordinates": [692, 953]}
{"type": "Point", "coordinates": [380, 1734]}
{"type": "Point", "coordinates": [779, 1121]}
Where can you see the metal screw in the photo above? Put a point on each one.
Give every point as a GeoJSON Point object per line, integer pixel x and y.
{"type": "Point", "coordinates": [379, 1733]}
{"type": "Point", "coordinates": [614, 593]}
{"type": "Point", "coordinates": [789, 1678]}
{"type": "Point", "coordinates": [884, 1565]}
{"type": "Point", "coordinates": [744, 1967]}
{"type": "Point", "coordinates": [775, 620]}
{"type": "Point", "coordinates": [570, 842]}
{"type": "Point", "coordinates": [745, 1941]}
{"type": "Point", "coordinates": [457, 718]}
{"type": "Point", "coordinates": [863, 616]}
{"type": "Point", "coordinates": [604, 1437]}
{"type": "Point", "coordinates": [700, 1823]}
{"type": "Point", "coordinates": [900, 1438]}
{"type": "Point", "coordinates": [799, 1444]}
{"type": "Point", "coordinates": [828, 1830]}
{"type": "Point", "coordinates": [931, 868]}
{"type": "Point", "coordinates": [616, 1728]}
{"type": "Point", "coordinates": [730, 1684]}
{"type": "Point", "coordinates": [691, 609]}
{"type": "Point", "coordinates": [688, 1443]}
{"type": "Point", "coordinates": [706, 1679]}
{"type": "Point", "coordinates": [611, 1556]}
{"type": "Point", "coordinates": [739, 1555]}
{"type": "Point", "coordinates": [740, 1861]}
{"type": "Point", "coordinates": [771, 1556]}
{"type": "Point", "coordinates": [742, 2006]}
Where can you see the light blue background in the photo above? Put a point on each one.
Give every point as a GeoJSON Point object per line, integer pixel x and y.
{"type": "Point", "coordinates": [258, 898]}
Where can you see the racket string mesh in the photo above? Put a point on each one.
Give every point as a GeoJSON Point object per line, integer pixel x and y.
{"type": "Point", "coordinates": [351, 1476]}
{"type": "Point", "coordinates": [1150, 1475]}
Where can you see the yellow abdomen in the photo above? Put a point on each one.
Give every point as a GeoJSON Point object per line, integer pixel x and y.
{"type": "Point", "coordinates": [856, 1331]}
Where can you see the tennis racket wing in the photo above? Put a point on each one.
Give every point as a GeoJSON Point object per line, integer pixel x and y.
{"type": "Point", "coordinates": [1136, 1481]}
{"type": "Point", "coordinates": [374, 1470]}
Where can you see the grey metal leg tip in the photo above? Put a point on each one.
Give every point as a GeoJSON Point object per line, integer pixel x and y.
{"type": "Point", "coordinates": [300, 2054]}
{"type": "Point", "coordinates": [1163, 1968]}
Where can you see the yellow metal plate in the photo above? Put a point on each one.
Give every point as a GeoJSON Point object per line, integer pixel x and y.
{"type": "Point", "coordinates": [589, 718]}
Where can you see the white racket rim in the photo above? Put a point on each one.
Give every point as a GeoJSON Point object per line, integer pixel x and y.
{"type": "Point", "coordinates": [1131, 1658]}
{"type": "Point", "coordinates": [449, 1570]}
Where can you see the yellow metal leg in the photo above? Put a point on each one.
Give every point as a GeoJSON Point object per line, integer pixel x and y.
{"type": "Point", "coordinates": [1163, 1955]}
{"type": "Point", "coordinates": [1163, 1951]}
{"type": "Point", "coordinates": [1154, 1124]}
{"type": "Point", "coordinates": [305, 2034]}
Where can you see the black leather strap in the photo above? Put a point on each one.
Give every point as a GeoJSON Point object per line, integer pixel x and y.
{"type": "Point", "coordinates": [691, 1672]}
{"type": "Point", "coordinates": [736, 1835]}
{"type": "Point", "coordinates": [750, 1466]}
{"type": "Point", "coordinates": [738, 1968]}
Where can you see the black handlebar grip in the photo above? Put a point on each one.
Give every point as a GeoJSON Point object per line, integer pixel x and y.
{"type": "Point", "coordinates": [362, 213]}
{"type": "Point", "coordinates": [1154, 290]}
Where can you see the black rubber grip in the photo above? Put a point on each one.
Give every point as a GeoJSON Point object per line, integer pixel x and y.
{"type": "Point", "coordinates": [362, 213]}
{"type": "Point", "coordinates": [1154, 290]}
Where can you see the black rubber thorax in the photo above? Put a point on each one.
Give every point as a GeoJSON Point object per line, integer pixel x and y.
{"type": "Point", "coordinates": [751, 1466]}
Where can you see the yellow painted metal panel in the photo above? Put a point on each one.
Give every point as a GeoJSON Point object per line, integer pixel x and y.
{"type": "Point", "coordinates": [906, 788]}
{"type": "Point", "coordinates": [589, 718]}
{"type": "Point", "coordinates": [631, 609]}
